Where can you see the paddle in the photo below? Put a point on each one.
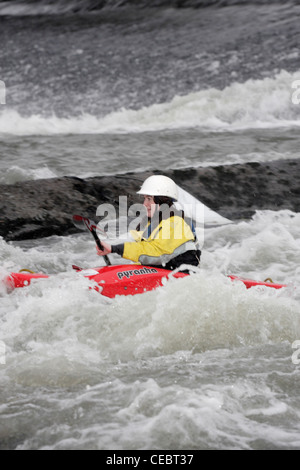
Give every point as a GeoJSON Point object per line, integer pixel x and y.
{"type": "Point", "coordinates": [84, 223]}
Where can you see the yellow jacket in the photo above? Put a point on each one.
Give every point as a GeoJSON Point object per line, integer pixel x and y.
{"type": "Point", "coordinates": [161, 241]}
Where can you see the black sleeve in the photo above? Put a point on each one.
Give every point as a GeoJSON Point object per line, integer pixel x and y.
{"type": "Point", "coordinates": [119, 249]}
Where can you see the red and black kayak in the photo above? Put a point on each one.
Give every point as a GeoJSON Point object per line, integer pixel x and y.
{"type": "Point", "coordinates": [126, 279]}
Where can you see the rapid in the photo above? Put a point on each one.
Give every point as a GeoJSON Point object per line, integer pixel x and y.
{"type": "Point", "coordinates": [202, 362]}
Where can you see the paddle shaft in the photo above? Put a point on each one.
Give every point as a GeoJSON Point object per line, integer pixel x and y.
{"type": "Point", "coordinates": [84, 222]}
{"type": "Point", "coordinates": [99, 245]}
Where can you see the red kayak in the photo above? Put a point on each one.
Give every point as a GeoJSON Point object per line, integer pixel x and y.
{"type": "Point", "coordinates": [250, 283]}
{"type": "Point", "coordinates": [110, 280]}
{"type": "Point", "coordinates": [126, 279]}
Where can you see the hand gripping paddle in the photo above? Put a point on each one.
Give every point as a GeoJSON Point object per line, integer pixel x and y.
{"type": "Point", "coordinates": [84, 223]}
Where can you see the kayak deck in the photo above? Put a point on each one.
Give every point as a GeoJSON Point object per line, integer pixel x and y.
{"type": "Point", "coordinates": [127, 279]}
{"type": "Point", "coordinates": [110, 281]}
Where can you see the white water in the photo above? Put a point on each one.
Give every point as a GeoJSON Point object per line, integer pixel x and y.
{"type": "Point", "coordinates": [252, 121]}
{"type": "Point", "coordinates": [257, 104]}
{"type": "Point", "coordinates": [187, 366]}
{"type": "Point", "coordinates": [201, 363]}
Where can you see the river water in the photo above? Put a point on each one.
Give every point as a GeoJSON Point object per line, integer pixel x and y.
{"type": "Point", "coordinates": [201, 363]}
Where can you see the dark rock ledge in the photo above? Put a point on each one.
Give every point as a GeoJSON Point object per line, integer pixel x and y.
{"type": "Point", "coordinates": [41, 208]}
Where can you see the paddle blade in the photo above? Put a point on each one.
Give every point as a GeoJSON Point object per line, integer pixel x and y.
{"type": "Point", "coordinates": [76, 268]}
{"type": "Point", "coordinates": [84, 223]}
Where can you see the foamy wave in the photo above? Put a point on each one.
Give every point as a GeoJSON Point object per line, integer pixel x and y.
{"type": "Point", "coordinates": [15, 174]}
{"type": "Point", "coordinates": [254, 104]}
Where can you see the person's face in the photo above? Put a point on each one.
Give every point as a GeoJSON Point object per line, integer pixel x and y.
{"type": "Point", "coordinates": [150, 205]}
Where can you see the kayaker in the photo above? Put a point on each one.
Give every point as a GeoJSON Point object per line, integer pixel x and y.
{"type": "Point", "coordinates": [166, 239]}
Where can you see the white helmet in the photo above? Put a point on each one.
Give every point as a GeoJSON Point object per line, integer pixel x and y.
{"type": "Point", "coordinates": [159, 185]}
